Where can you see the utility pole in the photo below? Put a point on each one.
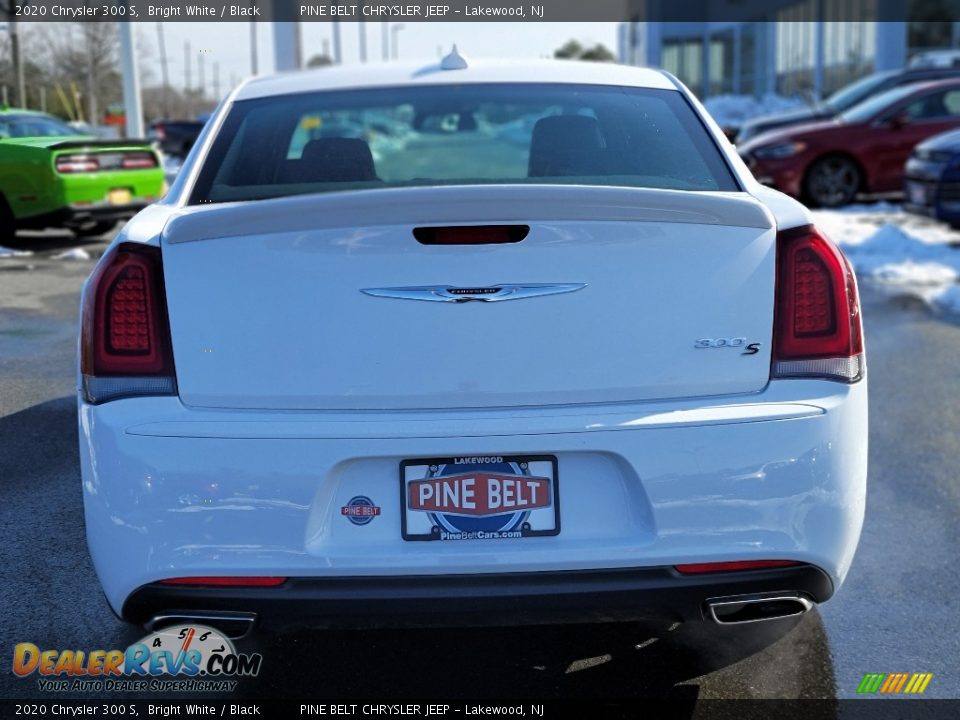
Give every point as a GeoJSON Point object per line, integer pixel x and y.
{"type": "Point", "coordinates": [253, 48]}
{"type": "Point", "coordinates": [186, 66]}
{"type": "Point", "coordinates": [164, 72]}
{"type": "Point", "coordinates": [186, 77]}
{"type": "Point", "coordinates": [133, 109]}
{"type": "Point", "coordinates": [201, 77]}
{"type": "Point", "coordinates": [337, 50]}
{"type": "Point", "coordinates": [395, 45]}
{"type": "Point", "coordinates": [216, 82]}
{"type": "Point", "coordinates": [92, 109]}
{"type": "Point", "coordinates": [17, 60]}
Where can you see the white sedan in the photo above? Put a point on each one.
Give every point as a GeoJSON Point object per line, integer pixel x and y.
{"type": "Point", "coordinates": [476, 342]}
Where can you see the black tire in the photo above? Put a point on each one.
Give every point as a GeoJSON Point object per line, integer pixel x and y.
{"type": "Point", "coordinates": [98, 228]}
{"type": "Point", "coordinates": [832, 181]}
{"type": "Point", "coordinates": [8, 223]}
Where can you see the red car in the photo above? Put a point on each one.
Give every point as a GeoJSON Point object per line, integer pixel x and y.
{"type": "Point", "coordinates": [863, 150]}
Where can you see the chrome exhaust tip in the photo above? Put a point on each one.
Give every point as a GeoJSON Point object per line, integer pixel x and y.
{"type": "Point", "coordinates": [234, 625]}
{"type": "Point", "coordinates": [742, 609]}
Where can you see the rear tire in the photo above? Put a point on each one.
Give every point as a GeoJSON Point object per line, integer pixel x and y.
{"type": "Point", "coordinates": [832, 181]}
{"type": "Point", "coordinates": [8, 223]}
{"type": "Point", "coordinates": [98, 228]}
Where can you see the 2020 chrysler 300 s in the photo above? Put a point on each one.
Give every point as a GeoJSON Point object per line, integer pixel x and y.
{"type": "Point", "coordinates": [476, 342]}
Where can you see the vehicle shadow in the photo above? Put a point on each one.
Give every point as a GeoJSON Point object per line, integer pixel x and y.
{"type": "Point", "coordinates": [613, 661]}
{"type": "Point", "coordinates": [52, 598]}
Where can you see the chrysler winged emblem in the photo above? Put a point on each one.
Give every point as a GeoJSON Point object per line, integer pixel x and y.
{"type": "Point", "coordinates": [494, 293]}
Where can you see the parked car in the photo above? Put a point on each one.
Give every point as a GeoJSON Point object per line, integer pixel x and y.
{"type": "Point", "coordinates": [933, 178]}
{"type": "Point", "coordinates": [175, 137]}
{"type": "Point", "coordinates": [845, 98]}
{"type": "Point", "coordinates": [53, 176]}
{"type": "Point", "coordinates": [603, 374]}
{"type": "Point", "coordinates": [861, 151]}
{"type": "Point", "coordinates": [936, 59]}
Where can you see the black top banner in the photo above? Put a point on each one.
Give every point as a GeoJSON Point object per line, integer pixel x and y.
{"type": "Point", "coordinates": [939, 11]}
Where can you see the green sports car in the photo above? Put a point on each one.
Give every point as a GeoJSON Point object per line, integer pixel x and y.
{"type": "Point", "coordinates": [54, 176]}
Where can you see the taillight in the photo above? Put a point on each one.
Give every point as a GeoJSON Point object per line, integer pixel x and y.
{"type": "Point", "coordinates": [76, 164]}
{"type": "Point", "coordinates": [138, 161]}
{"type": "Point", "coordinates": [125, 335]}
{"type": "Point", "coordinates": [817, 330]}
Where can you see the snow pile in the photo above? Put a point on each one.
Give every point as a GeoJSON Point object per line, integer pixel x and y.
{"type": "Point", "coordinates": [10, 252]}
{"type": "Point", "coordinates": [734, 110]}
{"type": "Point", "coordinates": [73, 254]}
{"type": "Point", "coordinates": [900, 253]}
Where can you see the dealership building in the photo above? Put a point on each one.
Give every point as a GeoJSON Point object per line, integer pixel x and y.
{"type": "Point", "coordinates": [783, 46]}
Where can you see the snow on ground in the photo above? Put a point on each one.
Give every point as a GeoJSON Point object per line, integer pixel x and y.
{"type": "Point", "coordinates": [734, 110]}
{"type": "Point", "coordinates": [76, 253]}
{"type": "Point", "coordinates": [899, 253]}
{"type": "Point", "coordinates": [9, 252]}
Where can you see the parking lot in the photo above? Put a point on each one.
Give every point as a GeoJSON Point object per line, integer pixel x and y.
{"type": "Point", "coordinates": [898, 611]}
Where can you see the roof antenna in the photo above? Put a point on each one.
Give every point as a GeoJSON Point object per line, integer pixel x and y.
{"type": "Point", "coordinates": [453, 61]}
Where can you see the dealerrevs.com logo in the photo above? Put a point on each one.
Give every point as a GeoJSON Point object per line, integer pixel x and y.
{"type": "Point", "coordinates": [181, 658]}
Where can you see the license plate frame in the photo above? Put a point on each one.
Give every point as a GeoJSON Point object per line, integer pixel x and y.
{"type": "Point", "coordinates": [526, 476]}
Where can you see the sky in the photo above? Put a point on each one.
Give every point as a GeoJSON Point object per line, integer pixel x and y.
{"type": "Point", "coordinates": [228, 44]}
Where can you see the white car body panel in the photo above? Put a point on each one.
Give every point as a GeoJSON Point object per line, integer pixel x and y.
{"type": "Point", "coordinates": [702, 458]}
{"type": "Point", "coordinates": [470, 355]}
{"type": "Point", "coordinates": [204, 492]}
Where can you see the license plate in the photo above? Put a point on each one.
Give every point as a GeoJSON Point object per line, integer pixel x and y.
{"type": "Point", "coordinates": [489, 497]}
{"type": "Point", "coordinates": [917, 193]}
{"type": "Point", "coordinates": [119, 197]}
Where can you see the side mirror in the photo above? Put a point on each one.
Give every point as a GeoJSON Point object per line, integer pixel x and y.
{"type": "Point", "coordinates": [899, 120]}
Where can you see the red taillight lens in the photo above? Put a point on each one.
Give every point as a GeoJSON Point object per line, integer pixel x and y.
{"type": "Point", "coordinates": [125, 341]}
{"type": "Point", "coordinates": [76, 164]}
{"type": "Point", "coordinates": [227, 581]}
{"type": "Point", "coordinates": [698, 568]}
{"type": "Point", "coordinates": [818, 328]}
{"type": "Point", "coordinates": [138, 161]}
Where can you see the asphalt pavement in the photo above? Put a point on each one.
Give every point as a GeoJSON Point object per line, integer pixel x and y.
{"type": "Point", "coordinates": [897, 612]}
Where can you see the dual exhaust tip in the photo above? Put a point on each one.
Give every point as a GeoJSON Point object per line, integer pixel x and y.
{"type": "Point", "coordinates": [738, 610]}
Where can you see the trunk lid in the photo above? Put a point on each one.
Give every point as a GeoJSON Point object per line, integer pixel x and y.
{"type": "Point", "coordinates": [268, 309]}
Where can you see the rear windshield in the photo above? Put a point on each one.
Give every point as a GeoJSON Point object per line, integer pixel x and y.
{"type": "Point", "coordinates": [460, 135]}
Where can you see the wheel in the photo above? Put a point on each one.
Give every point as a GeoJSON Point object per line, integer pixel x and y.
{"type": "Point", "coordinates": [832, 182]}
{"type": "Point", "coordinates": [97, 228]}
{"type": "Point", "coordinates": [8, 224]}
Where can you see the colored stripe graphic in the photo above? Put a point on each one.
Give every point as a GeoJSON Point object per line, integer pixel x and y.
{"type": "Point", "coordinates": [894, 683]}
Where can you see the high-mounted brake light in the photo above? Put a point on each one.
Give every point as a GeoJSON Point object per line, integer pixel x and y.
{"type": "Point", "coordinates": [817, 330]}
{"type": "Point", "coordinates": [125, 335]}
{"type": "Point", "coordinates": [67, 164]}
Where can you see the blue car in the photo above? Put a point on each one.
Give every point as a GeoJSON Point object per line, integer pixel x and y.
{"type": "Point", "coordinates": [932, 178]}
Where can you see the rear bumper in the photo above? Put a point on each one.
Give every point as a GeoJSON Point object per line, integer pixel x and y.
{"type": "Point", "coordinates": [494, 599]}
{"type": "Point", "coordinates": [172, 491]}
